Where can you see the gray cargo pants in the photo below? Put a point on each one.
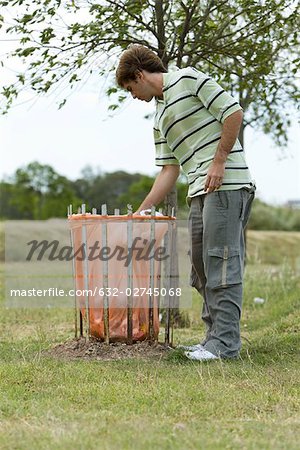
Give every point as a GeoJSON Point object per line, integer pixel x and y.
{"type": "Point", "coordinates": [217, 248]}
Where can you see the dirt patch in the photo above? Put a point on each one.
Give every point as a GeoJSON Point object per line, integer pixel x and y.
{"type": "Point", "coordinates": [97, 350]}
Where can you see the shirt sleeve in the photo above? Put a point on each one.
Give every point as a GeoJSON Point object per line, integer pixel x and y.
{"type": "Point", "coordinates": [217, 101]}
{"type": "Point", "coordinates": [163, 153]}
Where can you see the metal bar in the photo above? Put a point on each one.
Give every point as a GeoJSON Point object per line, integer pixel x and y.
{"type": "Point", "coordinates": [158, 298]}
{"type": "Point", "coordinates": [105, 276]}
{"type": "Point", "coordinates": [168, 240]}
{"type": "Point", "coordinates": [170, 276]}
{"type": "Point", "coordinates": [172, 327]}
{"type": "Point", "coordinates": [83, 208]}
{"type": "Point", "coordinates": [80, 323]}
{"type": "Point", "coordinates": [74, 282]}
{"type": "Point", "coordinates": [94, 211]}
{"type": "Point", "coordinates": [174, 276]}
{"type": "Point", "coordinates": [80, 313]}
{"type": "Point", "coordinates": [129, 276]}
{"type": "Point", "coordinates": [158, 280]}
{"type": "Point", "coordinates": [151, 297]}
{"type": "Point", "coordinates": [86, 281]}
{"type": "Point", "coordinates": [116, 212]}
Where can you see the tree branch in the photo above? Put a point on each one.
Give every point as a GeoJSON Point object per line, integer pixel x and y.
{"type": "Point", "coordinates": [185, 30]}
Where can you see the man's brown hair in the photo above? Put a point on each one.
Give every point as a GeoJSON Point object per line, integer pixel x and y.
{"type": "Point", "coordinates": [135, 59]}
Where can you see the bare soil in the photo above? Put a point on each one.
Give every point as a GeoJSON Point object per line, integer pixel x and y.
{"type": "Point", "coordinates": [97, 350]}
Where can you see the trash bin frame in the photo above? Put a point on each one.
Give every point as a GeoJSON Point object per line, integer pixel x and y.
{"type": "Point", "coordinates": [82, 322]}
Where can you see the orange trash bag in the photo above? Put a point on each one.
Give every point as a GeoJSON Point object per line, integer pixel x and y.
{"type": "Point", "coordinates": [118, 259]}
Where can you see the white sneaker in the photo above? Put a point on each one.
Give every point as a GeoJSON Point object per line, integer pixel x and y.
{"type": "Point", "coordinates": [190, 348]}
{"type": "Point", "coordinates": [200, 355]}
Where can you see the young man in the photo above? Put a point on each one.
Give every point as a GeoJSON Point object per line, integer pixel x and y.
{"type": "Point", "coordinates": [196, 127]}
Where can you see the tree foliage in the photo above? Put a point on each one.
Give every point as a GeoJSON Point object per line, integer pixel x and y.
{"type": "Point", "coordinates": [106, 189]}
{"type": "Point", "coordinates": [36, 192]}
{"type": "Point", "coordinates": [251, 46]}
{"type": "Point", "coordinates": [267, 217]}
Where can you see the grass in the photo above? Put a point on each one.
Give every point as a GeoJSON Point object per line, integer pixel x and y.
{"type": "Point", "coordinates": [172, 403]}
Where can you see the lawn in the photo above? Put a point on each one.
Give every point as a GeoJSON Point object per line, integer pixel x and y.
{"type": "Point", "coordinates": [169, 402]}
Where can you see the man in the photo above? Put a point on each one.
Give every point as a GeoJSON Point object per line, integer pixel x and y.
{"type": "Point", "coordinates": [196, 127]}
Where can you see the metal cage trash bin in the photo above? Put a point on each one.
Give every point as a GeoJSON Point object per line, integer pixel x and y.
{"type": "Point", "coordinates": [122, 274]}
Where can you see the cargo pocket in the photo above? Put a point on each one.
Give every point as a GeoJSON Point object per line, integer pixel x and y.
{"type": "Point", "coordinates": [223, 267]}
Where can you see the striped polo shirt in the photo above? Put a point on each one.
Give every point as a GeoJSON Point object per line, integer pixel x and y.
{"type": "Point", "coordinates": [188, 127]}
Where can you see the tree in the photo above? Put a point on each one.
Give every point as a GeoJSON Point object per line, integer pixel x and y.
{"type": "Point", "coordinates": [8, 208]}
{"type": "Point", "coordinates": [108, 188]}
{"type": "Point", "coordinates": [250, 45]}
{"type": "Point", "coordinates": [267, 217]}
{"type": "Point", "coordinates": [36, 192]}
{"type": "Point", "coordinates": [137, 192]}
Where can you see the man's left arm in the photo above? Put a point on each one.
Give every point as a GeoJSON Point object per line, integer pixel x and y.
{"type": "Point", "coordinates": [230, 132]}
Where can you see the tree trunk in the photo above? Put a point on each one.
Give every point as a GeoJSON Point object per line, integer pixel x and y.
{"type": "Point", "coordinates": [170, 202]}
{"type": "Point", "coordinates": [242, 140]}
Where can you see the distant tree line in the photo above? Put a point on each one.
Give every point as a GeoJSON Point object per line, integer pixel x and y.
{"type": "Point", "coordinates": [37, 192]}
{"type": "Point", "coordinates": [268, 217]}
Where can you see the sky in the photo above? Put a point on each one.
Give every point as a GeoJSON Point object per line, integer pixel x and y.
{"type": "Point", "coordinates": [82, 134]}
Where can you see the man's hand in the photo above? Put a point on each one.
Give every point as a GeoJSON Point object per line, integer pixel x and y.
{"type": "Point", "coordinates": [215, 176]}
{"type": "Point", "coordinates": [229, 135]}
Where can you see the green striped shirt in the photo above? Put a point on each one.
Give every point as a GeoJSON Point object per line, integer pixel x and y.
{"type": "Point", "coordinates": [188, 127]}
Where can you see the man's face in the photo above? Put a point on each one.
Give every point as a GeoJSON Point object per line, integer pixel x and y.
{"type": "Point", "coordinates": [140, 88]}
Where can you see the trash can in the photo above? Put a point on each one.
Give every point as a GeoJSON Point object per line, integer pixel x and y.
{"type": "Point", "coordinates": [122, 269]}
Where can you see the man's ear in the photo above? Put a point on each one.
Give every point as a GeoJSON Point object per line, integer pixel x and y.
{"type": "Point", "coordinates": [138, 75]}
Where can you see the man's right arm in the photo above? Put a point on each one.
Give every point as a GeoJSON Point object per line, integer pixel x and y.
{"type": "Point", "coordinates": [162, 185]}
